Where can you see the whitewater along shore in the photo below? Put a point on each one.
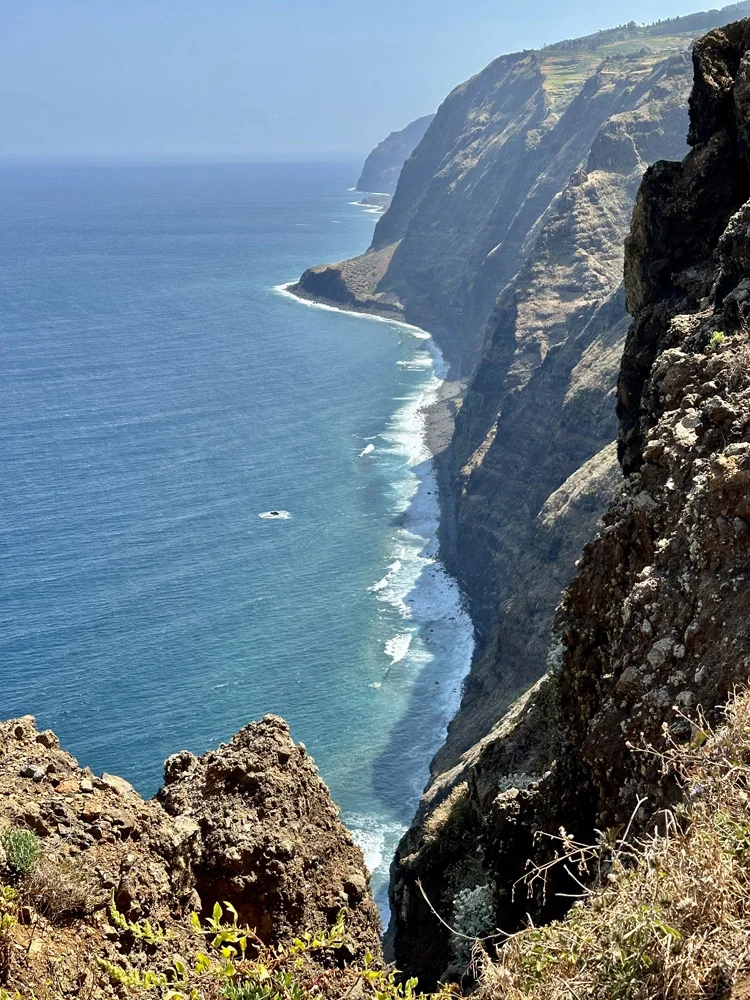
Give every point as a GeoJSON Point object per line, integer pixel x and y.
{"type": "Point", "coordinates": [434, 647]}
{"type": "Point", "coordinates": [440, 412]}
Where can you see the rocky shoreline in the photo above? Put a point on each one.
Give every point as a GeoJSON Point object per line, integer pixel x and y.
{"type": "Point", "coordinates": [440, 416]}
{"type": "Point", "coordinates": [506, 243]}
{"type": "Point", "coordinates": [649, 646]}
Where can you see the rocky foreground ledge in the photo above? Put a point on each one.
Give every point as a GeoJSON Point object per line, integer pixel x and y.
{"type": "Point", "coordinates": [116, 878]}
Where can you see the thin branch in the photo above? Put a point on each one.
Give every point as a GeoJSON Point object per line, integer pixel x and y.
{"type": "Point", "coordinates": [466, 937]}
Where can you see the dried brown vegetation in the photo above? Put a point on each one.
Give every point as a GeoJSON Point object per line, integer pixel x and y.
{"type": "Point", "coordinates": [668, 916]}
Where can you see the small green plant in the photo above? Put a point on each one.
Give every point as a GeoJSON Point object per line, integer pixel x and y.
{"type": "Point", "coordinates": [717, 339]}
{"type": "Point", "coordinates": [473, 918]}
{"type": "Point", "coordinates": [8, 901]}
{"type": "Point", "coordinates": [21, 849]}
{"type": "Point", "coordinates": [143, 931]}
{"type": "Point", "coordinates": [278, 985]}
{"type": "Point", "coordinates": [133, 979]}
{"type": "Point", "coordinates": [237, 965]}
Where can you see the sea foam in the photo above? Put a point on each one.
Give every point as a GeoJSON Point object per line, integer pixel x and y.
{"type": "Point", "coordinates": [398, 646]}
{"type": "Point", "coordinates": [415, 331]}
{"type": "Point", "coordinates": [416, 583]}
{"type": "Point", "coordinates": [433, 652]}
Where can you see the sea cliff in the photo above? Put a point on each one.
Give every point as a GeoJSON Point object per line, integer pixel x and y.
{"type": "Point", "coordinates": [618, 779]}
{"type": "Point", "coordinates": [505, 241]}
{"type": "Point", "coordinates": [383, 166]}
{"type": "Point", "coordinates": [651, 636]}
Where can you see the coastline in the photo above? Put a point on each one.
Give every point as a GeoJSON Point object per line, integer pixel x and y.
{"type": "Point", "coordinates": [441, 412]}
{"type": "Point", "coordinates": [293, 291]}
{"type": "Point", "coordinates": [420, 586]}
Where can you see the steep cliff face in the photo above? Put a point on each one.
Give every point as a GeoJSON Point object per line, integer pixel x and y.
{"type": "Point", "coordinates": [473, 194]}
{"type": "Point", "coordinates": [476, 190]}
{"type": "Point", "coordinates": [382, 167]}
{"type": "Point", "coordinates": [251, 824]}
{"type": "Point", "coordinates": [505, 240]}
{"type": "Point", "coordinates": [653, 627]}
{"type": "Point", "coordinates": [540, 408]}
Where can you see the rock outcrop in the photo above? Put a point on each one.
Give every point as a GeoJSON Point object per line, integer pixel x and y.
{"type": "Point", "coordinates": [251, 824]}
{"type": "Point", "coordinates": [382, 167]}
{"type": "Point", "coordinates": [268, 837]}
{"type": "Point", "coordinates": [652, 630]}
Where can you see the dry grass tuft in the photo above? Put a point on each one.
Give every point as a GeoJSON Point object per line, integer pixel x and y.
{"type": "Point", "coordinates": [62, 890]}
{"type": "Point", "coordinates": [668, 917]}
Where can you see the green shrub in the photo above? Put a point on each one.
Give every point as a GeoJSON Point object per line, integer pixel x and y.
{"type": "Point", "coordinates": [21, 851]}
{"type": "Point", "coordinates": [279, 985]}
{"type": "Point", "coordinates": [237, 965]}
{"type": "Point", "coordinates": [7, 923]}
{"type": "Point", "coordinates": [717, 339]}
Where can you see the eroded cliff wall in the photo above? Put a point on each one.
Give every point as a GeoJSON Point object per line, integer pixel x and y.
{"type": "Point", "coordinates": [653, 627]}
{"type": "Point", "coordinates": [505, 240]}
{"type": "Point", "coordinates": [472, 196]}
{"type": "Point", "coordinates": [540, 408]}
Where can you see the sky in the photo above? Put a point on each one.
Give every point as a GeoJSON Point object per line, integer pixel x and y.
{"type": "Point", "coordinates": [242, 78]}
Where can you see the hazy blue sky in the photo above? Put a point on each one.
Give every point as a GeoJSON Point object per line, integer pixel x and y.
{"type": "Point", "coordinates": [240, 77]}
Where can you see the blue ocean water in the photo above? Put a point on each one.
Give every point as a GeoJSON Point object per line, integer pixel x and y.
{"type": "Point", "coordinates": [157, 394]}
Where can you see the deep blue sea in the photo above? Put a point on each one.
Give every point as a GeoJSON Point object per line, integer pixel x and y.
{"type": "Point", "coordinates": [157, 395]}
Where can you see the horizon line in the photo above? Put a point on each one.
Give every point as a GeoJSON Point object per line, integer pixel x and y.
{"type": "Point", "coordinates": [153, 157]}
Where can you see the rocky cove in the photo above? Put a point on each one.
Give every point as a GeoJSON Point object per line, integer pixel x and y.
{"type": "Point", "coordinates": [508, 243]}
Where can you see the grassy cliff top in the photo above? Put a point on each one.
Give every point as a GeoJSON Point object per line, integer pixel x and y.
{"type": "Point", "coordinates": [567, 64]}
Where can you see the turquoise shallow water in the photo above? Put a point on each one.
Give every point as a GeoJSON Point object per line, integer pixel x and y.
{"type": "Point", "coordinates": [157, 394]}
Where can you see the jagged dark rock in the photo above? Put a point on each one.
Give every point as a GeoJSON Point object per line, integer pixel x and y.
{"type": "Point", "coordinates": [268, 837]}
{"type": "Point", "coordinates": [250, 823]}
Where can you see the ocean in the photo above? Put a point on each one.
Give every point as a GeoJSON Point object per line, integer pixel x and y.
{"type": "Point", "coordinates": [159, 394]}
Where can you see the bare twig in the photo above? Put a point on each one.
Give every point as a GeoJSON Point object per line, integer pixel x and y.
{"type": "Point", "coordinates": [466, 937]}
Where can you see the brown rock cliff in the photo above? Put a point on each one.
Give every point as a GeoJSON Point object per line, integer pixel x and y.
{"type": "Point", "coordinates": [250, 823]}
{"type": "Point", "coordinates": [653, 626]}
